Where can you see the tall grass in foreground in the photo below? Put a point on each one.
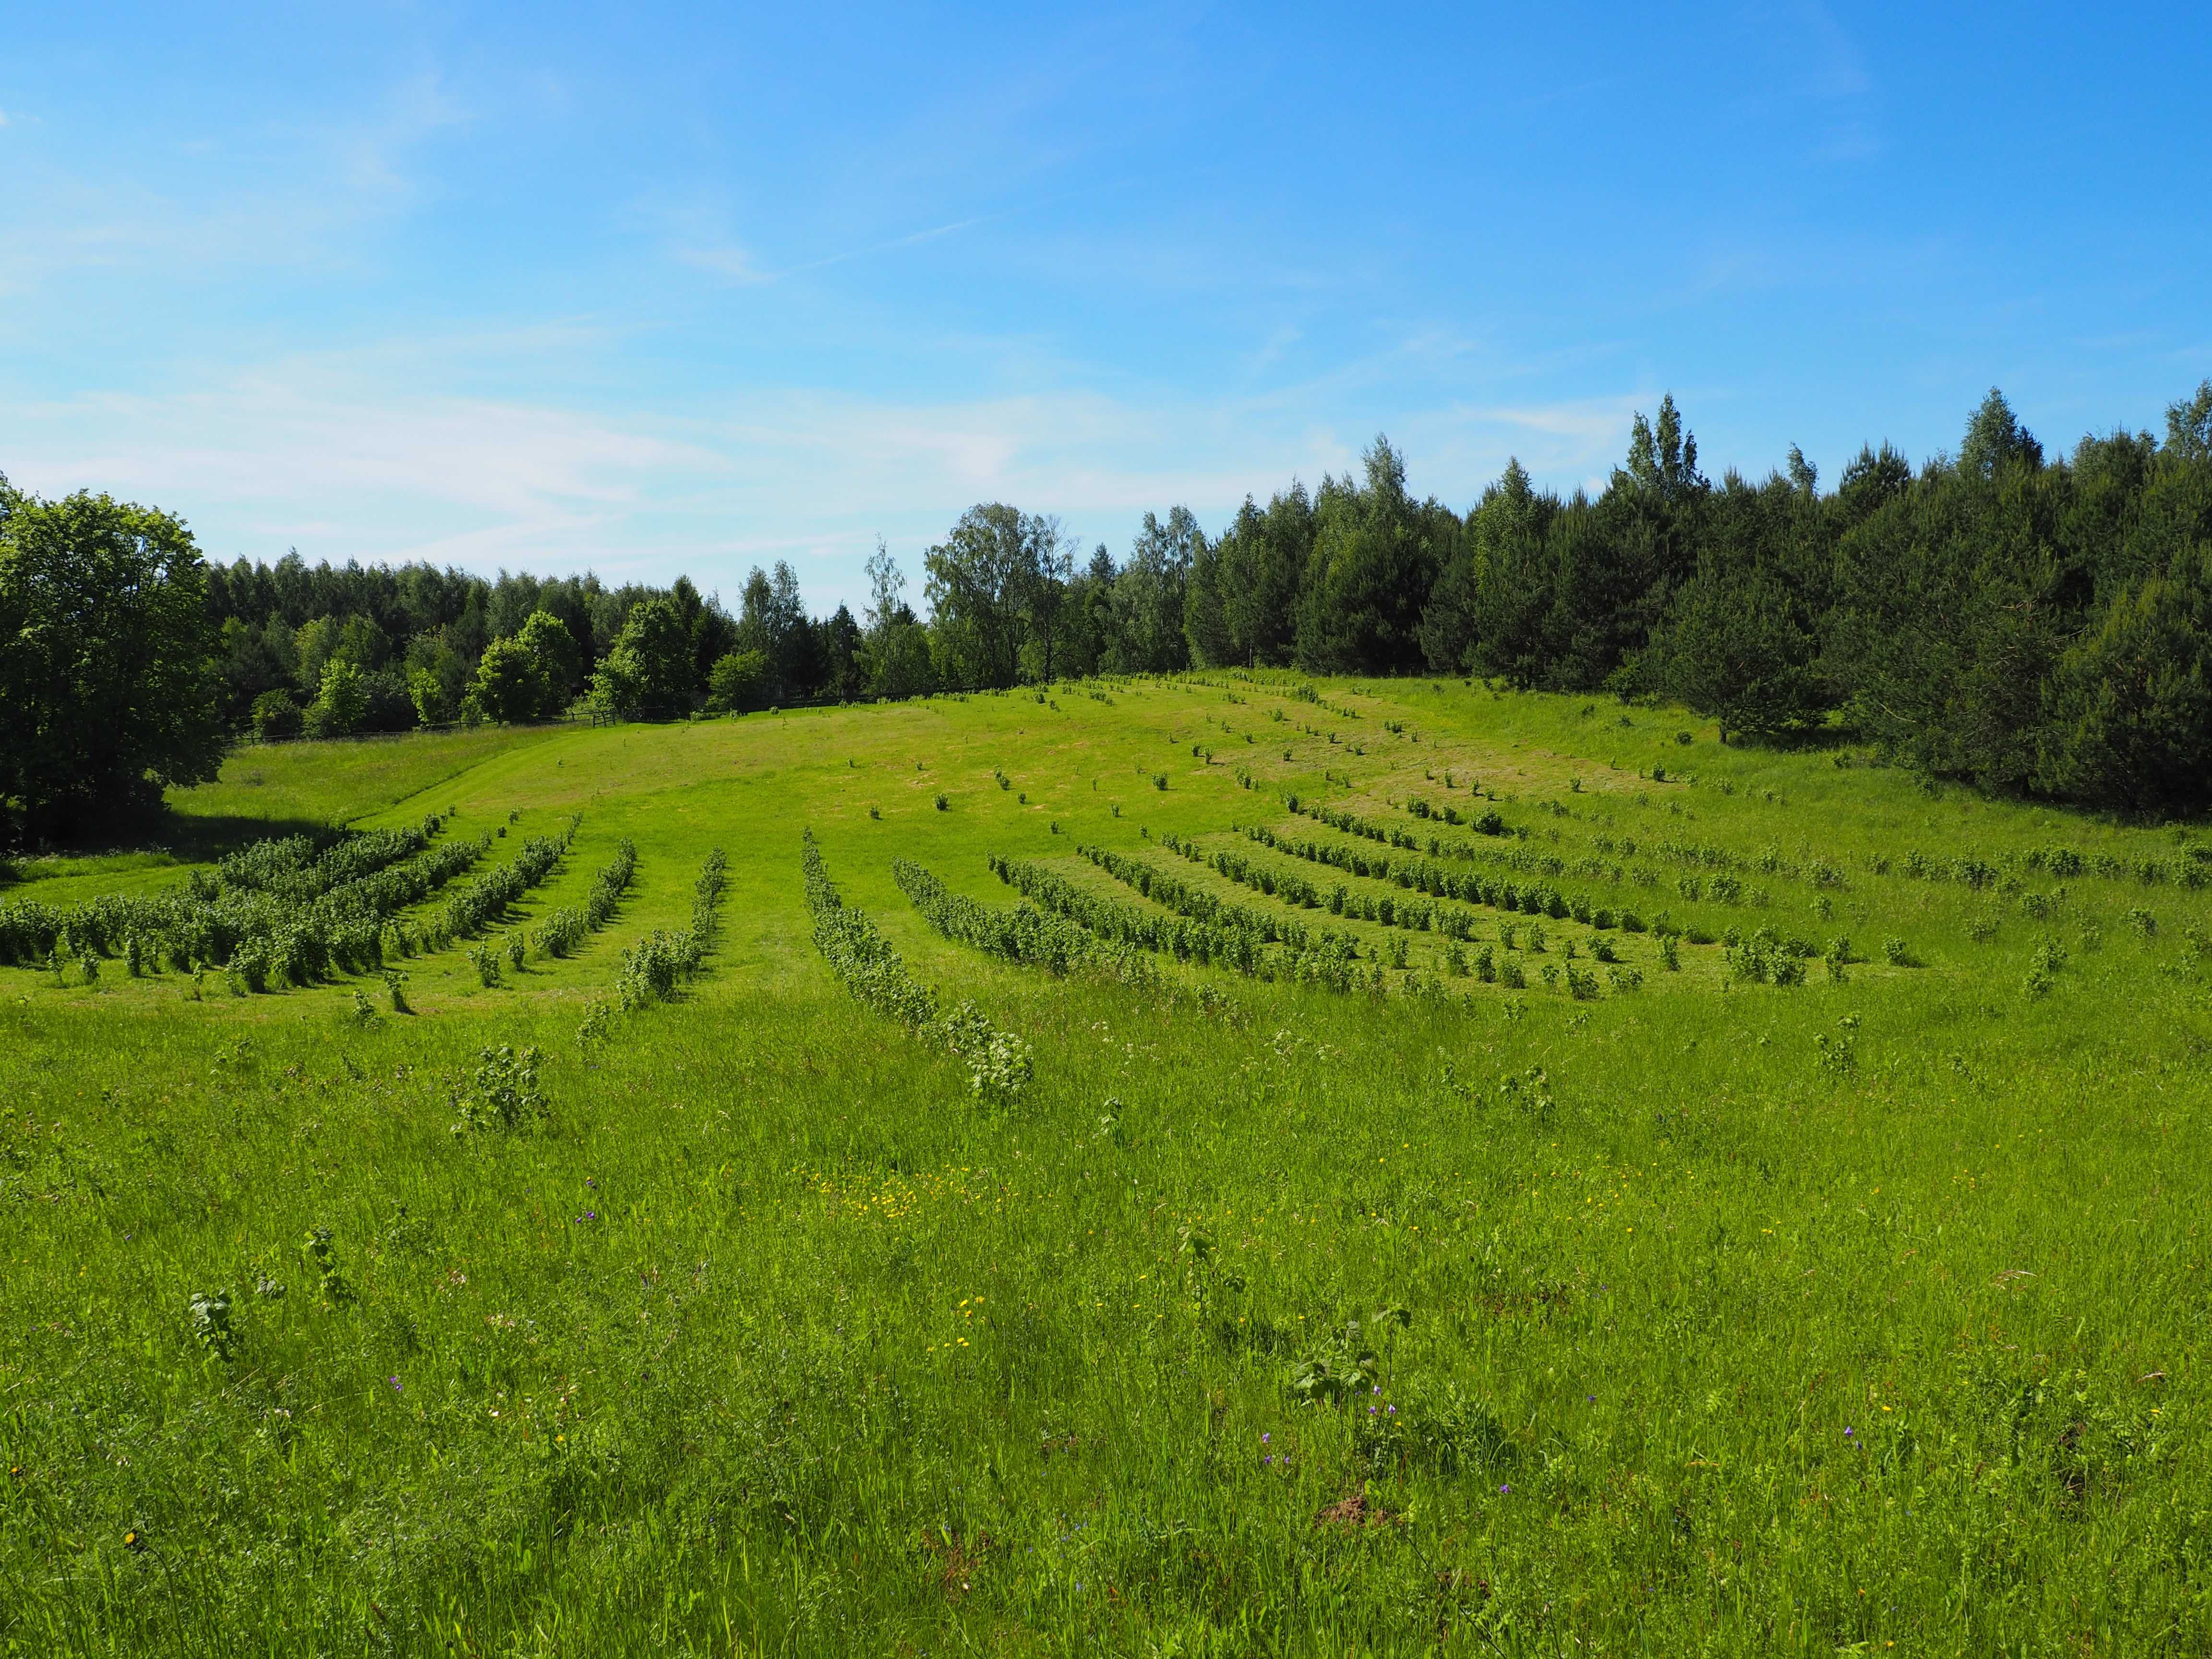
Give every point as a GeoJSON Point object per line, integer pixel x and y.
{"type": "Point", "coordinates": [1814, 1316]}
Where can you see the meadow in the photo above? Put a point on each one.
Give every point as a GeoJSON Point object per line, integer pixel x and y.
{"type": "Point", "coordinates": [1223, 1164]}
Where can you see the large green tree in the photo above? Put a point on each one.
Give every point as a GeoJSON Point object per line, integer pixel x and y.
{"type": "Point", "coordinates": [510, 683]}
{"type": "Point", "coordinates": [1148, 601]}
{"type": "Point", "coordinates": [1739, 639]}
{"type": "Point", "coordinates": [2132, 702]}
{"type": "Point", "coordinates": [560, 659]}
{"type": "Point", "coordinates": [110, 686]}
{"type": "Point", "coordinates": [649, 667]}
{"type": "Point", "coordinates": [1375, 555]}
{"type": "Point", "coordinates": [980, 577]}
{"type": "Point", "coordinates": [772, 621]}
{"type": "Point", "coordinates": [1244, 588]}
{"type": "Point", "coordinates": [1490, 608]}
{"type": "Point", "coordinates": [1620, 561]}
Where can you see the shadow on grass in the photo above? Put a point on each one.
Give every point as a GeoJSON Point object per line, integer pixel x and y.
{"type": "Point", "coordinates": [197, 838]}
{"type": "Point", "coordinates": [161, 838]}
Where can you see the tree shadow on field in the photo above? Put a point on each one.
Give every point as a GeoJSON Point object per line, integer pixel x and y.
{"type": "Point", "coordinates": [150, 837]}
{"type": "Point", "coordinates": [201, 839]}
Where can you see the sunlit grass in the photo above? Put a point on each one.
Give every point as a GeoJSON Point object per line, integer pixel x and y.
{"type": "Point", "coordinates": [1766, 1319]}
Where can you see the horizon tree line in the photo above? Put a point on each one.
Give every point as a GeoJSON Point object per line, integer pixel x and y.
{"type": "Point", "coordinates": [2030, 623]}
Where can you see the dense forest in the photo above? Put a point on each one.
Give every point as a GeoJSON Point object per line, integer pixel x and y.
{"type": "Point", "coordinates": [2029, 623]}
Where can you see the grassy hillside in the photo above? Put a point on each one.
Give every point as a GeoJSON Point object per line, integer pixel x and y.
{"type": "Point", "coordinates": [1358, 1302]}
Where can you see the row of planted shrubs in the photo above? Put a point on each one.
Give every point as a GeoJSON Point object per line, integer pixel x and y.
{"type": "Point", "coordinates": [489, 896]}
{"type": "Point", "coordinates": [1330, 959]}
{"type": "Point", "coordinates": [653, 968]}
{"type": "Point", "coordinates": [860, 956]}
{"type": "Point", "coordinates": [998, 1063]}
{"type": "Point", "coordinates": [1425, 875]}
{"type": "Point", "coordinates": [565, 928]}
{"type": "Point", "coordinates": [1418, 915]}
{"type": "Point", "coordinates": [277, 913]}
{"type": "Point", "coordinates": [211, 911]}
{"type": "Point", "coordinates": [1023, 934]}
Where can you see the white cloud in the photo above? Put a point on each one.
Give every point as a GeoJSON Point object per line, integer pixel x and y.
{"type": "Point", "coordinates": [341, 456]}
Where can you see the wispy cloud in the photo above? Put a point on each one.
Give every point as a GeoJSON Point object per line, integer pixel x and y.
{"type": "Point", "coordinates": [912, 241]}
{"type": "Point", "coordinates": [1836, 67]}
{"type": "Point", "coordinates": [374, 155]}
{"type": "Point", "coordinates": [733, 263]}
{"type": "Point", "coordinates": [303, 204]}
{"type": "Point", "coordinates": [337, 456]}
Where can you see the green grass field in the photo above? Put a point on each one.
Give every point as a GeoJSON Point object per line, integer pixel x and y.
{"type": "Point", "coordinates": [1677, 1312]}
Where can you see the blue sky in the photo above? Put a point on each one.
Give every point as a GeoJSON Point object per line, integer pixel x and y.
{"type": "Point", "coordinates": [653, 288]}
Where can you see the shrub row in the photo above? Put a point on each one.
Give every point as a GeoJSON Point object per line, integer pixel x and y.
{"type": "Point", "coordinates": [860, 956]}
{"type": "Point", "coordinates": [564, 930]}
{"type": "Point", "coordinates": [486, 899]}
{"type": "Point", "coordinates": [1331, 960]}
{"type": "Point", "coordinates": [262, 926]}
{"type": "Point", "coordinates": [610, 884]}
{"type": "Point", "coordinates": [1196, 903]}
{"type": "Point", "coordinates": [1023, 934]}
{"type": "Point", "coordinates": [1508, 852]}
{"type": "Point", "coordinates": [2193, 869]}
{"type": "Point", "coordinates": [653, 967]}
{"type": "Point", "coordinates": [1425, 875]}
{"type": "Point", "coordinates": [1766, 958]}
{"type": "Point", "coordinates": [998, 1063]}
{"type": "Point", "coordinates": [1417, 915]}
{"type": "Point", "coordinates": [345, 929]}
{"type": "Point", "coordinates": [1488, 822]}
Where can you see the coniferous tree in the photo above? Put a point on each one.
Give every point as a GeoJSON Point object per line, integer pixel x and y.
{"type": "Point", "coordinates": [1376, 555]}
{"type": "Point", "coordinates": [2131, 703]}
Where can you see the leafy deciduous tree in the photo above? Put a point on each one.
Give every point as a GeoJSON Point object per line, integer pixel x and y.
{"type": "Point", "coordinates": [108, 667]}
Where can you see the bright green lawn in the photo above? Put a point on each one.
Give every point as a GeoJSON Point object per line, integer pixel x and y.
{"type": "Point", "coordinates": [1772, 1320]}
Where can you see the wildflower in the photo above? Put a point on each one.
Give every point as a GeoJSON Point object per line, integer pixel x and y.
{"type": "Point", "coordinates": [396, 1386]}
{"type": "Point", "coordinates": [1503, 1490]}
{"type": "Point", "coordinates": [134, 1540]}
